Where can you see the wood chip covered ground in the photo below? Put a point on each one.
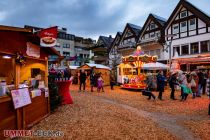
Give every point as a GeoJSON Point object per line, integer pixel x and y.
{"type": "Point", "coordinates": [122, 114]}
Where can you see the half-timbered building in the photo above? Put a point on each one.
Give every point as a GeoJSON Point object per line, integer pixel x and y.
{"type": "Point", "coordinates": [128, 39]}
{"type": "Point", "coordinates": [188, 32]}
{"type": "Point", "coordinates": [113, 53]}
{"type": "Point", "coordinates": [151, 37]}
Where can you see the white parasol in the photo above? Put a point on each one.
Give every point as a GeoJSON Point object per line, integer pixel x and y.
{"type": "Point", "coordinates": [155, 66]}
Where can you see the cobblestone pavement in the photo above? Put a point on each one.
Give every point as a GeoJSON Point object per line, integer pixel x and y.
{"type": "Point", "coordinates": [124, 114]}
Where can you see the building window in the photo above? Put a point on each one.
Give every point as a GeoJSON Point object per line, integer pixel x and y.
{"type": "Point", "coordinates": [66, 53]}
{"type": "Point", "coordinates": [183, 14]}
{"type": "Point", "coordinates": [204, 46]}
{"type": "Point", "coordinates": [176, 50]}
{"type": "Point", "coordinates": [66, 45]}
{"type": "Point", "coordinates": [158, 34]}
{"type": "Point", "coordinates": [152, 26]}
{"type": "Point", "coordinates": [146, 36]}
{"type": "Point", "coordinates": [152, 52]}
{"type": "Point", "coordinates": [158, 53]}
{"type": "Point", "coordinates": [185, 49]}
{"type": "Point", "coordinates": [184, 26]}
{"type": "Point", "coordinates": [192, 24]}
{"type": "Point", "coordinates": [175, 28]}
{"type": "Point", "coordinates": [81, 55]}
{"type": "Point", "coordinates": [152, 35]}
{"type": "Point", "coordinates": [194, 48]}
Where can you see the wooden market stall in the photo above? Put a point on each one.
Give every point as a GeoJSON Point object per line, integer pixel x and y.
{"type": "Point", "coordinates": [98, 68]}
{"type": "Point", "coordinates": [21, 62]}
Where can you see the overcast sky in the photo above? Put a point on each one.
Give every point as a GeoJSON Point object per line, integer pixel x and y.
{"type": "Point", "coordinates": [87, 18]}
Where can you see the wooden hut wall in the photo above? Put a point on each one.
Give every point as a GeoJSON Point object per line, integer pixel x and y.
{"type": "Point", "coordinates": [25, 73]}
{"type": "Point", "coordinates": [105, 74]}
{"type": "Point", "coordinates": [7, 69]}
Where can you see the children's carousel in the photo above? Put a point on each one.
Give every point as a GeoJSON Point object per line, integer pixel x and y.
{"type": "Point", "coordinates": [130, 73]}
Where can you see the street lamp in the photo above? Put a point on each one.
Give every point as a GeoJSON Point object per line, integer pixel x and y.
{"type": "Point", "coordinates": [169, 46]}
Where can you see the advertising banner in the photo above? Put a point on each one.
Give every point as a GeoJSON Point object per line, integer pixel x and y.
{"type": "Point", "coordinates": [48, 37]}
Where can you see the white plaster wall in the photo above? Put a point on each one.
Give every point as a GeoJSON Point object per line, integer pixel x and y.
{"type": "Point", "coordinates": [192, 33]}
{"type": "Point", "coordinates": [189, 13]}
{"type": "Point", "coordinates": [201, 24]}
{"type": "Point", "coordinates": [200, 31]}
{"type": "Point", "coordinates": [183, 34]}
{"type": "Point", "coordinates": [187, 40]}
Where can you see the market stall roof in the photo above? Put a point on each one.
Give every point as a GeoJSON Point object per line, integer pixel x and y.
{"type": "Point", "coordinates": [98, 66]}
{"type": "Point", "coordinates": [73, 67]}
{"type": "Point", "coordinates": [26, 38]}
{"type": "Point", "coordinates": [155, 66]}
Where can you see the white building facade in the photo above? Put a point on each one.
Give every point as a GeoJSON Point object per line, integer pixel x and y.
{"type": "Point", "coordinates": [188, 31]}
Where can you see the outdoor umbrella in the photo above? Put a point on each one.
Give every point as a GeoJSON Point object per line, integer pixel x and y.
{"type": "Point", "coordinates": [155, 66]}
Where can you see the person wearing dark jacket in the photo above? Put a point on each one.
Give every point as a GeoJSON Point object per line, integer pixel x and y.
{"type": "Point", "coordinates": [82, 79]}
{"type": "Point", "coordinates": [92, 79]}
{"type": "Point", "coordinates": [172, 83]}
{"type": "Point", "coordinates": [160, 83]}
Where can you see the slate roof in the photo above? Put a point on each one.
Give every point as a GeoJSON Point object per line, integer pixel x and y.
{"type": "Point", "coordinates": [135, 28]}
{"type": "Point", "coordinates": [161, 20]}
{"type": "Point", "coordinates": [107, 41]}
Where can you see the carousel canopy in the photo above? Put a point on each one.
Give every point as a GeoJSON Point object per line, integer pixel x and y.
{"type": "Point", "coordinates": [155, 66]}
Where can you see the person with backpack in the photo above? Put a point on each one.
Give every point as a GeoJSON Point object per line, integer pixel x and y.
{"type": "Point", "coordinates": [172, 83]}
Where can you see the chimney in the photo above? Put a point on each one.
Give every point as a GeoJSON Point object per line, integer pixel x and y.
{"type": "Point", "coordinates": [110, 36]}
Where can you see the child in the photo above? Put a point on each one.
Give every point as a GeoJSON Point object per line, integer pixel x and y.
{"type": "Point", "coordinates": [186, 89]}
{"type": "Point", "coordinates": [100, 83]}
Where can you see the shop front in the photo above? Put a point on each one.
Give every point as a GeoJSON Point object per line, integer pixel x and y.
{"type": "Point", "coordinates": [24, 96]}
{"type": "Point", "coordinates": [193, 63]}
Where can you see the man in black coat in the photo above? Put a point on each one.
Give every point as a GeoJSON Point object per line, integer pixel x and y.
{"type": "Point", "coordinates": [172, 83]}
{"type": "Point", "coordinates": [82, 79]}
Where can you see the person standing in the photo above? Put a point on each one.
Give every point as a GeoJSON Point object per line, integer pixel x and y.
{"type": "Point", "coordinates": [205, 76]}
{"type": "Point", "coordinates": [112, 81]}
{"type": "Point", "coordinates": [92, 80]}
{"type": "Point", "coordinates": [100, 83]}
{"type": "Point", "coordinates": [82, 79]}
{"type": "Point", "coordinates": [160, 84]}
{"type": "Point", "coordinates": [172, 83]}
{"type": "Point", "coordinates": [208, 90]}
{"type": "Point", "coordinates": [200, 83]}
{"type": "Point", "coordinates": [193, 84]}
{"type": "Point", "coordinates": [150, 86]}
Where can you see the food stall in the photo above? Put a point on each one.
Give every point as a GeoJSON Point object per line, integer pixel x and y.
{"type": "Point", "coordinates": [24, 97]}
{"type": "Point", "coordinates": [130, 73]}
{"type": "Point", "coordinates": [98, 68]}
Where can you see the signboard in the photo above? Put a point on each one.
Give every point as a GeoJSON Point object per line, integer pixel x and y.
{"type": "Point", "coordinates": [20, 97]}
{"type": "Point", "coordinates": [48, 37]}
{"type": "Point", "coordinates": [33, 50]}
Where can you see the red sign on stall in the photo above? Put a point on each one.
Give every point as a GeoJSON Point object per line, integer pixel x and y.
{"type": "Point", "coordinates": [48, 37]}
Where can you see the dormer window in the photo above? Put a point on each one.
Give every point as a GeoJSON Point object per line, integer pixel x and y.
{"type": "Point", "coordinates": [175, 28]}
{"type": "Point", "coordinates": [183, 14]}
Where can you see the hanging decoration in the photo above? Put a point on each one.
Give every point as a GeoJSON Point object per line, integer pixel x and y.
{"type": "Point", "coordinates": [20, 59]}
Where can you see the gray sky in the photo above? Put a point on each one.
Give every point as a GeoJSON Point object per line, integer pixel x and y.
{"type": "Point", "coordinates": [87, 18]}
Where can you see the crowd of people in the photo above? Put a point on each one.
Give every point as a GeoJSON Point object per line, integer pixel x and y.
{"type": "Point", "coordinates": [96, 80]}
{"type": "Point", "coordinates": [195, 83]}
